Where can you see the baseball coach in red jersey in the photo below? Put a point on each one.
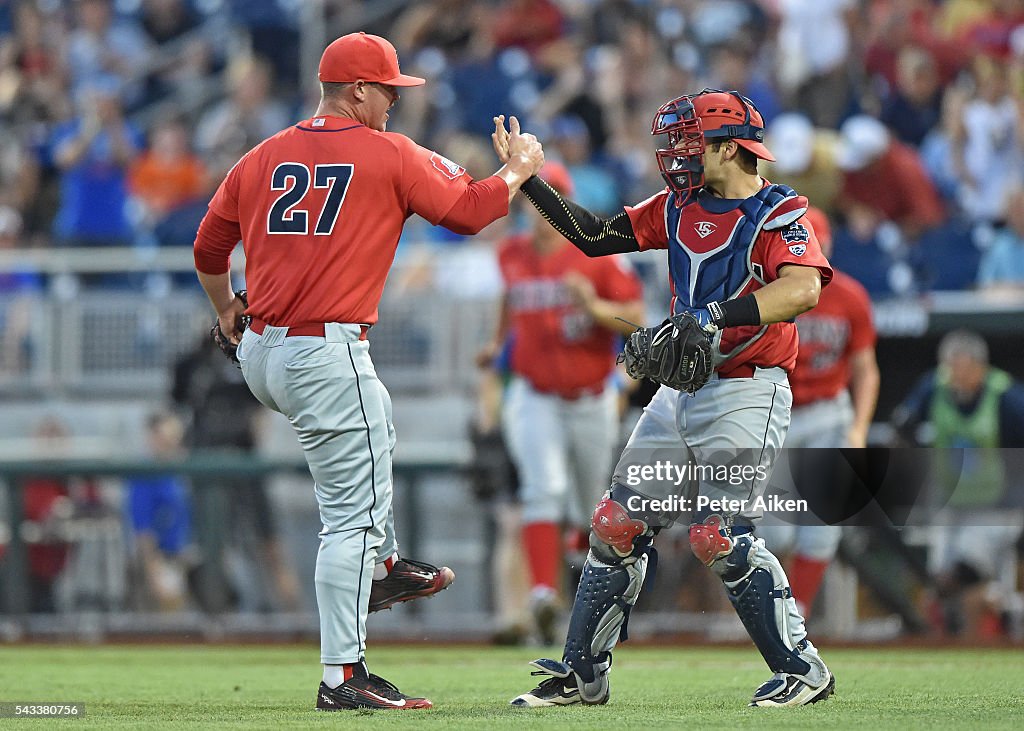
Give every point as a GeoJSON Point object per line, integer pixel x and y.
{"type": "Point", "coordinates": [319, 208]}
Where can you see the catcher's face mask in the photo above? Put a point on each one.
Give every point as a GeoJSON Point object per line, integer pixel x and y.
{"type": "Point", "coordinates": [682, 161]}
{"type": "Point", "coordinates": [689, 121]}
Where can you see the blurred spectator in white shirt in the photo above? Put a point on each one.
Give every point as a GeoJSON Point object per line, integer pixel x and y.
{"type": "Point", "coordinates": [987, 146]}
{"type": "Point", "coordinates": [101, 47]}
{"type": "Point", "coordinates": [813, 46]}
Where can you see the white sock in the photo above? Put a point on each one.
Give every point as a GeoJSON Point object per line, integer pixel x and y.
{"type": "Point", "coordinates": [334, 675]}
{"type": "Point", "coordinates": [381, 570]}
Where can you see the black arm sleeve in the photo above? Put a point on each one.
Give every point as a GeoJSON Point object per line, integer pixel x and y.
{"type": "Point", "coordinates": [592, 235]}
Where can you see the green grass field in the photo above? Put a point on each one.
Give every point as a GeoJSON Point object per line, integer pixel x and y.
{"type": "Point", "coordinates": [273, 687]}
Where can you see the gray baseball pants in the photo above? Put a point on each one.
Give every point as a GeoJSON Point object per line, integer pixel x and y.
{"type": "Point", "coordinates": [740, 421]}
{"type": "Point", "coordinates": [341, 413]}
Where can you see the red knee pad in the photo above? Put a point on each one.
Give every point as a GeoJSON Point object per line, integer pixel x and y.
{"type": "Point", "coordinates": [707, 542]}
{"type": "Point", "coordinates": [612, 525]}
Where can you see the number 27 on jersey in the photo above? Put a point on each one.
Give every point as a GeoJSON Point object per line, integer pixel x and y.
{"type": "Point", "coordinates": [294, 179]}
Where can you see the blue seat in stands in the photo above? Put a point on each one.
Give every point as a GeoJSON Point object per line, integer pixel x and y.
{"type": "Point", "coordinates": [946, 258]}
{"type": "Point", "coordinates": [865, 262]}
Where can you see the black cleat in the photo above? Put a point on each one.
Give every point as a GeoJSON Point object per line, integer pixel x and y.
{"type": "Point", "coordinates": [561, 689]}
{"type": "Point", "coordinates": [551, 692]}
{"type": "Point", "coordinates": [789, 690]}
{"type": "Point", "coordinates": [371, 692]}
{"type": "Point", "coordinates": [409, 580]}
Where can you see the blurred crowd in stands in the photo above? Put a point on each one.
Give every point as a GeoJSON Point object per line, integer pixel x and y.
{"type": "Point", "coordinates": [903, 119]}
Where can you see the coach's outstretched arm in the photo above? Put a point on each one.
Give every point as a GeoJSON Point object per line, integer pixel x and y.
{"type": "Point", "coordinates": [593, 235]}
{"type": "Point", "coordinates": [481, 204]}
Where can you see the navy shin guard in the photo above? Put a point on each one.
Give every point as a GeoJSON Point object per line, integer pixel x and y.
{"type": "Point", "coordinates": [605, 595]}
{"type": "Point", "coordinates": [757, 601]}
{"type": "Point", "coordinates": [759, 592]}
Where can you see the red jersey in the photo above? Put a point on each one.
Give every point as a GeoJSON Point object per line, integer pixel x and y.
{"type": "Point", "coordinates": [321, 206]}
{"type": "Point", "coordinates": [838, 327]}
{"type": "Point", "coordinates": [555, 345]}
{"type": "Point", "coordinates": [710, 261]}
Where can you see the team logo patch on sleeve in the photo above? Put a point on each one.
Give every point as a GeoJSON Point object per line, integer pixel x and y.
{"type": "Point", "coordinates": [798, 249]}
{"type": "Point", "coordinates": [446, 167]}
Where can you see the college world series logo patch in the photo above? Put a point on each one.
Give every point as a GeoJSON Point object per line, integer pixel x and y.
{"type": "Point", "coordinates": [797, 236]}
{"type": "Point", "coordinates": [446, 167]}
{"type": "Point", "coordinates": [796, 232]}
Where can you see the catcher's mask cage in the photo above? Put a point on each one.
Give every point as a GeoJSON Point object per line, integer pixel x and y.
{"type": "Point", "coordinates": [682, 162]}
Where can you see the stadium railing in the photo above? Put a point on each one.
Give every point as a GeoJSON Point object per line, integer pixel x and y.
{"type": "Point", "coordinates": [85, 340]}
{"type": "Point", "coordinates": [209, 469]}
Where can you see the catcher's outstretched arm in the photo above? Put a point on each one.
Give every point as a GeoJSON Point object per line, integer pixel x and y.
{"type": "Point", "coordinates": [590, 234]}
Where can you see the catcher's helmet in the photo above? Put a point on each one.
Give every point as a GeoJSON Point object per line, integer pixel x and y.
{"type": "Point", "coordinates": [690, 120]}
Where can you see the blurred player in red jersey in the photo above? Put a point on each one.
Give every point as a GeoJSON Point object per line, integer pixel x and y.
{"type": "Point", "coordinates": [835, 389]}
{"type": "Point", "coordinates": [319, 208]}
{"type": "Point", "coordinates": [561, 310]}
{"type": "Point", "coordinates": [743, 262]}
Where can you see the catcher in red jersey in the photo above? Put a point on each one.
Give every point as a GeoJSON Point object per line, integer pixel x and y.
{"type": "Point", "coordinates": [743, 262]}
{"type": "Point", "coordinates": [565, 313]}
{"type": "Point", "coordinates": [319, 208]}
{"type": "Point", "coordinates": [835, 389]}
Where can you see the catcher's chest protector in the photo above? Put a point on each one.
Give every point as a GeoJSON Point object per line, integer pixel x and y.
{"type": "Point", "coordinates": [711, 241]}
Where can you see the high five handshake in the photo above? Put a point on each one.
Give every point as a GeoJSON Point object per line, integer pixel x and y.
{"type": "Point", "coordinates": [520, 152]}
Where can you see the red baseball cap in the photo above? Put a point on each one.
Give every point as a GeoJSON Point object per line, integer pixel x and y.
{"type": "Point", "coordinates": [732, 118]}
{"type": "Point", "coordinates": [363, 57]}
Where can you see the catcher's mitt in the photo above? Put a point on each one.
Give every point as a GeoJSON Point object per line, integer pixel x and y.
{"type": "Point", "coordinates": [223, 341]}
{"type": "Point", "coordinates": [676, 354]}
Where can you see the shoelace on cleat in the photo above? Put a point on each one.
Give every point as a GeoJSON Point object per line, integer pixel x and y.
{"type": "Point", "coordinates": [420, 565]}
{"type": "Point", "coordinates": [387, 689]}
{"type": "Point", "coordinates": [552, 683]}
